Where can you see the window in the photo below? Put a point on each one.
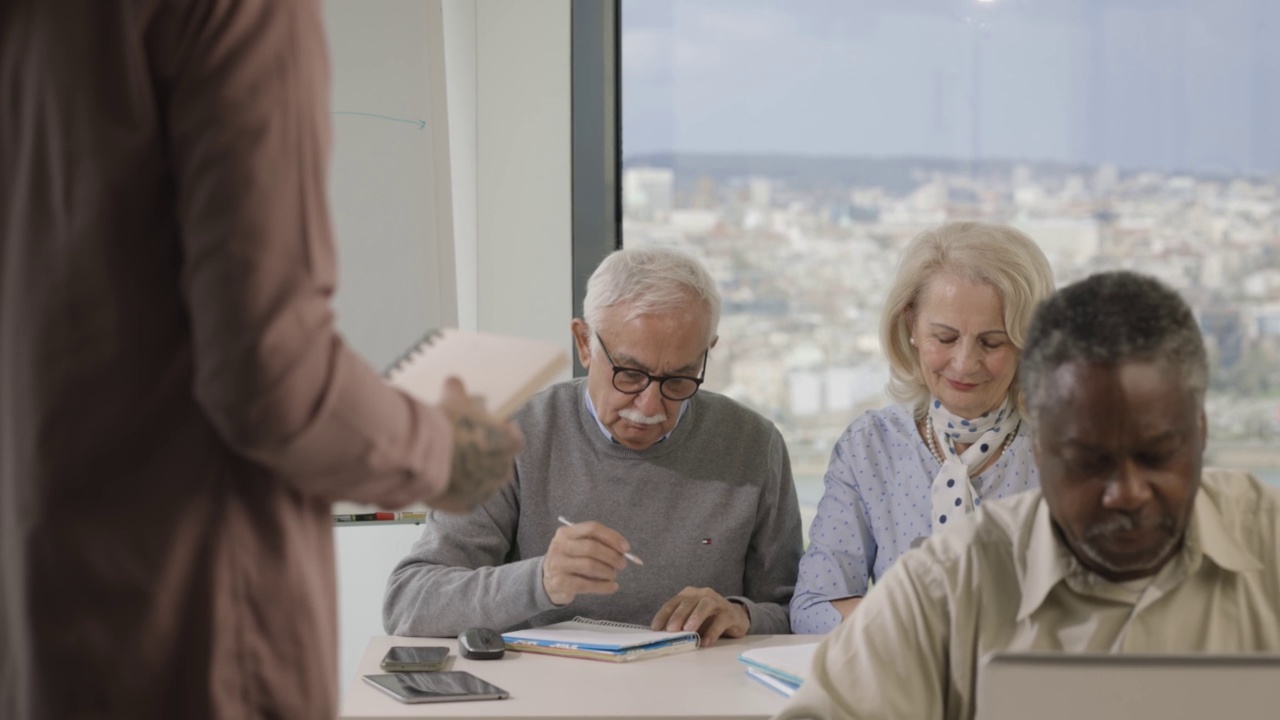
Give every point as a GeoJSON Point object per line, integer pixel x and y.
{"type": "Point", "coordinates": [794, 146]}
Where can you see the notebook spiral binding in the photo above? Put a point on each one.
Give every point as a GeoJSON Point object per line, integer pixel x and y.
{"type": "Point", "coordinates": [610, 623]}
{"type": "Point", "coordinates": [413, 353]}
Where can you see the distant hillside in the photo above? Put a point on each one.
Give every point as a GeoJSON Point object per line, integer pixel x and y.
{"type": "Point", "coordinates": [815, 173]}
{"type": "Point", "coordinates": [895, 174]}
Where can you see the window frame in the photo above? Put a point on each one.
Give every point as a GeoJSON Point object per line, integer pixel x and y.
{"type": "Point", "coordinates": [596, 140]}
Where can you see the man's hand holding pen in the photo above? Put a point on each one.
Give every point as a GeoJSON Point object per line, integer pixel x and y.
{"type": "Point", "coordinates": [583, 559]}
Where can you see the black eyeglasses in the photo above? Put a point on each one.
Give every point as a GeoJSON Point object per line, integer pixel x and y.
{"type": "Point", "coordinates": [673, 387]}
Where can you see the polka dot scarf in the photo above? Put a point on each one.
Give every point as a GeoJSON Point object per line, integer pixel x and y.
{"type": "Point", "coordinates": [953, 494]}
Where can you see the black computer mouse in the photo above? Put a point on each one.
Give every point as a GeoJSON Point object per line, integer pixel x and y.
{"type": "Point", "coordinates": [480, 644]}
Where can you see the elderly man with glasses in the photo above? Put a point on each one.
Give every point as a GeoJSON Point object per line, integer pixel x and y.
{"type": "Point", "coordinates": [638, 499]}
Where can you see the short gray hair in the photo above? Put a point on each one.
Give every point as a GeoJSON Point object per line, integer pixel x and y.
{"type": "Point", "coordinates": [1110, 318]}
{"type": "Point", "coordinates": [998, 256]}
{"type": "Point", "coordinates": [649, 281]}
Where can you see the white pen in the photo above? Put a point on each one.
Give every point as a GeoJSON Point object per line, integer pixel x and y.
{"type": "Point", "coordinates": [626, 555]}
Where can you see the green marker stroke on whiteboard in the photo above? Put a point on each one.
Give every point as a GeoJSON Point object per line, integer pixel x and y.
{"type": "Point", "coordinates": [420, 123]}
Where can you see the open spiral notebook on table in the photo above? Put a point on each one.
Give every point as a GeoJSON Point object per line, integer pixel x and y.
{"type": "Point", "coordinates": [600, 640]}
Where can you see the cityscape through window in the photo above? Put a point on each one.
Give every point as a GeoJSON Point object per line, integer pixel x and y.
{"type": "Point", "coordinates": [795, 146]}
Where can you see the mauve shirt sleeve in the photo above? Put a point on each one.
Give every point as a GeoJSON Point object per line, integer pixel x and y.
{"type": "Point", "coordinates": [244, 93]}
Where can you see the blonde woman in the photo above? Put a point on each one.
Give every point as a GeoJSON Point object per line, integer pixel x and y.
{"type": "Point", "coordinates": [952, 328]}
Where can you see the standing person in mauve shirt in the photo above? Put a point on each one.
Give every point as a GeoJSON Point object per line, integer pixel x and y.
{"type": "Point", "coordinates": [177, 412]}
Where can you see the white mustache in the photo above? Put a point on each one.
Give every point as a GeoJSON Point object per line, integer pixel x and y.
{"type": "Point", "coordinates": [640, 418]}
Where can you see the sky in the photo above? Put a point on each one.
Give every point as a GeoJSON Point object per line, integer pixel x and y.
{"type": "Point", "coordinates": [1160, 84]}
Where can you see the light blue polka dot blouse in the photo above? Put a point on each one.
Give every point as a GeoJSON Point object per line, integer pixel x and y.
{"type": "Point", "coordinates": [876, 502]}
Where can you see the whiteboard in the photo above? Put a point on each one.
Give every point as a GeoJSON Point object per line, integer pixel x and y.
{"type": "Point", "coordinates": [389, 174]}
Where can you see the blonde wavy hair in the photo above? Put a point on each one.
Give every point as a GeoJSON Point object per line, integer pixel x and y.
{"type": "Point", "coordinates": [999, 256]}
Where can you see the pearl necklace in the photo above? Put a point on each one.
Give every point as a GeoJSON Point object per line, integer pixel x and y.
{"type": "Point", "coordinates": [931, 439]}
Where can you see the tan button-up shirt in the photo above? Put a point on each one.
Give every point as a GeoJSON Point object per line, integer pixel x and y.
{"type": "Point", "coordinates": [1004, 581]}
{"type": "Point", "coordinates": [177, 412]}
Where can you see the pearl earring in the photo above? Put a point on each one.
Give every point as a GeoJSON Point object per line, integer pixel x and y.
{"type": "Point", "coordinates": [912, 341]}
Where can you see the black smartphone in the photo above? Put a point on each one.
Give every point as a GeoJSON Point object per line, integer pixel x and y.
{"type": "Point", "coordinates": [410, 658]}
{"type": "Point", "coordinates": [449, 686]}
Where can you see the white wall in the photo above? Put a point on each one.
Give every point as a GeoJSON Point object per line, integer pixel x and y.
{"type": "Point", "coordinates": [523, 158]}
{"type": "Point", "coordinates": [507, 76]}
{"type": "Point", "coordinates": [389, 180]}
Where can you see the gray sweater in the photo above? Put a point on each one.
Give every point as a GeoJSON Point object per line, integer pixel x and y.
{"type": "Point", "coordinates": [713, 506]}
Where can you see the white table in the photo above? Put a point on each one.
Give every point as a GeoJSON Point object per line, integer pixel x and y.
{"type": "Point", "coordinates": [707, 684]}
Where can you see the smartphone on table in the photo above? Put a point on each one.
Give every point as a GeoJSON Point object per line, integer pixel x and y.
{"type": "Point", "coordinates": [411, 658]}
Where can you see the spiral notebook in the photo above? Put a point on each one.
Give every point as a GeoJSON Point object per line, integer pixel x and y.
{"type": "Point", "coordinates": [506, 371]}
{"type": "Point", "coordinates": [600, 640]}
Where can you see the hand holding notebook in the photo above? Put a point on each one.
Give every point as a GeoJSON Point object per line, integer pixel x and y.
{"type": "Point", "coordinates": [505, 371]}
{"type": "Point", "coordinates": [600, 640]}
{"type": "Point", "coordinates": [497, 374]}
{"type": "Point", "coordinates": [484, 451]}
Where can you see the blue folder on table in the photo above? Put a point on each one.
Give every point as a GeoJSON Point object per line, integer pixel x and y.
{"type": "Point", "coordinates": [782, 668]}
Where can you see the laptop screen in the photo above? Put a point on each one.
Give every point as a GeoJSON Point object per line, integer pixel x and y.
{"type": "Point", "coordinates": [1071, 686]}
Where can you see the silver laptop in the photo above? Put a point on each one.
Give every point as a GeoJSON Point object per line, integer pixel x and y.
{"type": "Point", "coordinates": [1064, 686]}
